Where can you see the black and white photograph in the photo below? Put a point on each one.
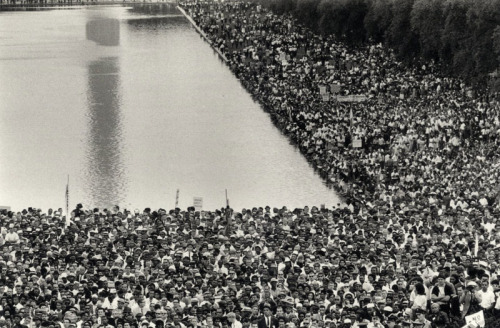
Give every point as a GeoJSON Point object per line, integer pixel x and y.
{"type": "Point", "coordinates": [249, 163]}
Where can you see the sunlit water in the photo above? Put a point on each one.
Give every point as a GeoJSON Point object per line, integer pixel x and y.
{"type": "Point", "coordinates": [133, 106]}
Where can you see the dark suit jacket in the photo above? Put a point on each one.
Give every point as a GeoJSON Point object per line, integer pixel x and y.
{"type": "Point", "coordinates": [262, 322]}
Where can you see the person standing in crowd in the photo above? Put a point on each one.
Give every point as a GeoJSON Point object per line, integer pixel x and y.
{"type": "Point", "coordinates": [441, 294]}
{"type": "Point", "coordinates": [469, 300]}
{"type": "Point", "coordinates": [11, 237]}
{"type": "Point", "coordinates": [233, 323]}
{"type": "Point", "coordinates": [438, 317]}
{"type": "Point", "coordinates": [268, 320]}
{"type": "Point", "coordinates": [486, 297]}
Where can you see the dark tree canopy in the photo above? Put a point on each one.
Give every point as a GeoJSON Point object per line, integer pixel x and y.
{"type": "Point", "coordinates": [463, 36]}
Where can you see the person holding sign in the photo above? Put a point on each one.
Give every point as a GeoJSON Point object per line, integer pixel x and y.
{"type": "Point", "coordinates": [469, 300]}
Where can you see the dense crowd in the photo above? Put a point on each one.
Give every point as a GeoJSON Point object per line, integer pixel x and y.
{"type": "Point", "coordinates": [416, 243]}
{"type": "Point", "coordinates": [417, 148]}
{"type": "Point", "coordinates": [309, 267]}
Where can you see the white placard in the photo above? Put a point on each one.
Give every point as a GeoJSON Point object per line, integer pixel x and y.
{"type": "Point", "coordinates": [357, 143]}
{"type": "Point", "coordinates": [475, 320]}
{"type": "Point", "coordinates": [198, 203]}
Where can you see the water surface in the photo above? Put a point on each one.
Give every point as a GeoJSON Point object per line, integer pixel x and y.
{"type": "Point", "coordinates": [132, 104]}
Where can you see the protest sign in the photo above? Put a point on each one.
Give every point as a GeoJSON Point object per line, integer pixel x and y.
{"type": "Point", "coordinates": [357, 143]}
{"type": "Point", "coordinates": [351, 98]}
{"type": "Point", "coordinates": [344, 98]}
{"type": "Point", "coordinates": [335, 88]}
{"type": "Point", "coordinates": [359, 98]}
{"type": "Point", "coordinates": [198, 203]}
{"type": "Point", "coordinates": [476, 319]}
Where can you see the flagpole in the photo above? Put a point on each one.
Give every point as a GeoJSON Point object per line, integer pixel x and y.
{"type": "Point", "coordinates": [476, 245]}
{"type": "Point", "coordinates": [350, 119]}
{"type": "Point", "coordinates": [67, 200]}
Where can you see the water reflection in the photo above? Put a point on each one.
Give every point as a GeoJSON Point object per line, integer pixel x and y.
{"type": "Point", "coordinates": [105, 170]}
{"type": "Point", "coordinates": [105, 173]}
{"type": "Point", "coordinates": [104, 32]}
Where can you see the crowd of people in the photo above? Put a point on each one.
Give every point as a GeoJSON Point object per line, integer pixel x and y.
{"type": "Point", "coordinates": [415, 244]}
{"type": "Point", "coordinates": [259, 267]}
{"type": "Point", "coordinates": [405, 143]}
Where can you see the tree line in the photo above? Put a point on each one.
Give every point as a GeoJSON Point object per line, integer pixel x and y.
{"type": "Point", "coordinates": [462, 36]}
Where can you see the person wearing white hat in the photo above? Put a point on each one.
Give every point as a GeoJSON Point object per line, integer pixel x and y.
{"type": "Point", "coordinates": [469, 300]}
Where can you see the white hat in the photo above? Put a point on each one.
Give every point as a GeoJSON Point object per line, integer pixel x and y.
{"type": "Point", "coordinates": [471, 284]}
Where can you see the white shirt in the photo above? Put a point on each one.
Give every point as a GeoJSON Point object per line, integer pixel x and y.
{"type": "Point", "coordinates": [110, 305]}
{"type": "Point", "coordinates": [487, 298]}
{"type": "Point", "coordinates": [12, 237]}
{"type": "Point", "coordinates": [497, 304]}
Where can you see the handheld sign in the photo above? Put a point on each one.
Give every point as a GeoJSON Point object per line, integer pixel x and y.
{"type": "Point", "coordinates": [475, 320]}
{"type": "Point", "coordinates": [343, 98]}
{"type": "Point", "coordinates": [335, 88]}
{"type": "Point", "coordinates": [322, 89]}
{"type": "Point", "coordinates": [357, 143]}
{"type": "Point", "coordinates": [198, 203]}
{"type": "Point", "coordinates": [360, 98]}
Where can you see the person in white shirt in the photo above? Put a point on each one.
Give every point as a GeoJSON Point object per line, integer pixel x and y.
{"type": "Point", "coordinates": [233, 322]}
{"type": "Point", "coordinates": [485, 296]}
{"type": "Point", "coordinates": [11, 237]}
{"type": "Point", "coordinates": [111, 302]}
{"type": "Point", "coordinates": [140, 308]}
{"type": "Point", "coordinates": [495, 284]}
